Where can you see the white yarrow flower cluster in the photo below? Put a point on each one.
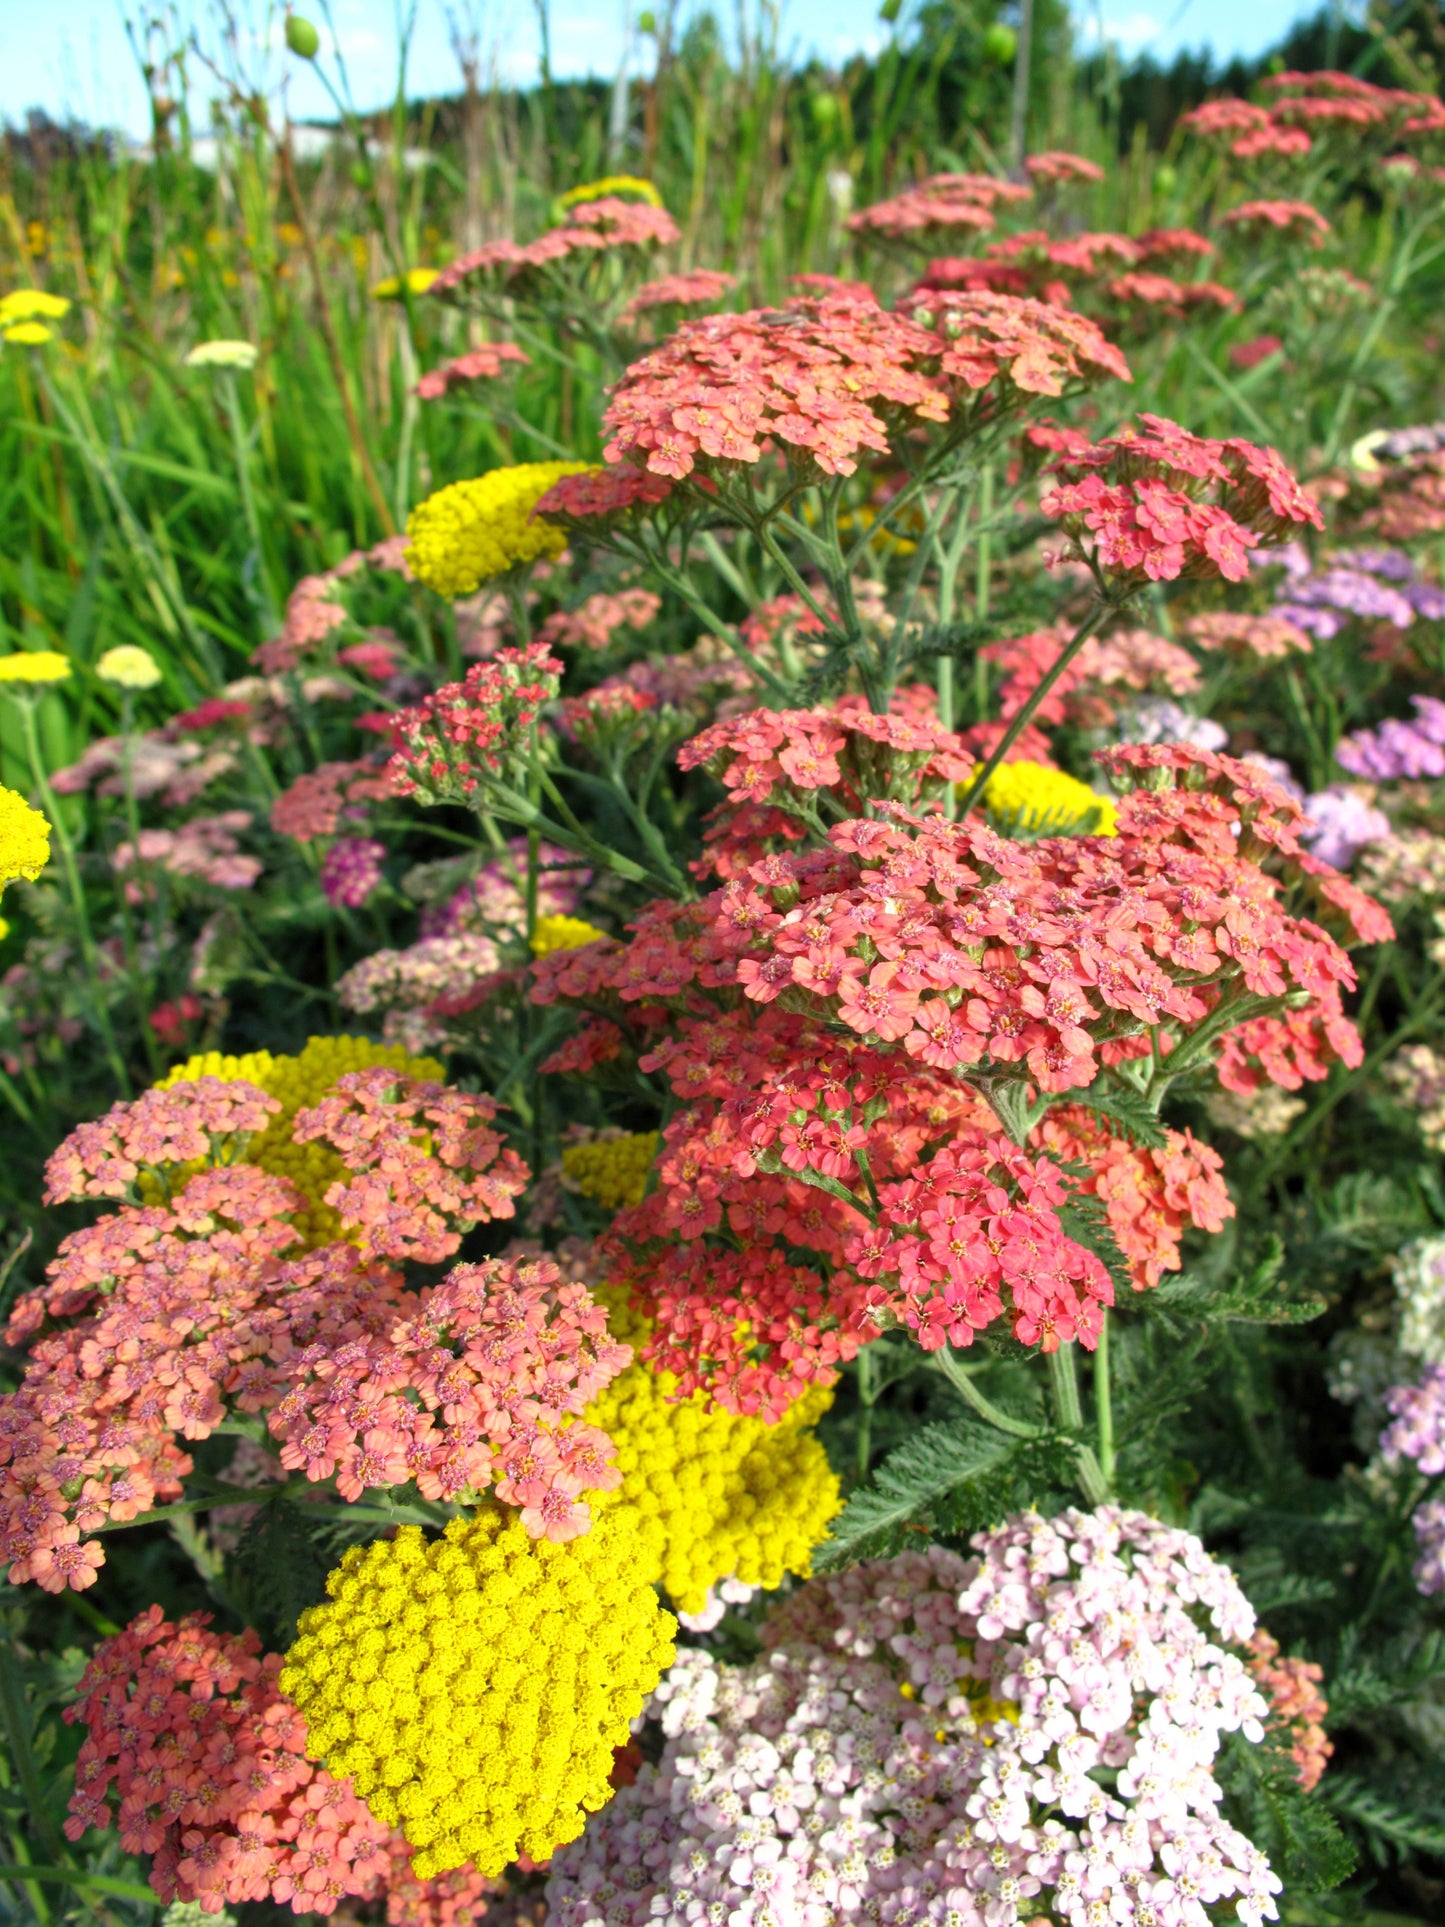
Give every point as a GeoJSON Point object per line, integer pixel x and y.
{"type": "Point", "coordinates": [1419, 1274]}
{"type": "Point", "coordinates": [963, 1743]}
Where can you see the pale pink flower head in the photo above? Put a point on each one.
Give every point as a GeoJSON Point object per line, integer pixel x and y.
{"type": "Point", "coordinates": [156, 1131]}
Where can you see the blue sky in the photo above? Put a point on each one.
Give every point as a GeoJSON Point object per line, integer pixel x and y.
{"type": "Point", "coordinates": [72, 56]}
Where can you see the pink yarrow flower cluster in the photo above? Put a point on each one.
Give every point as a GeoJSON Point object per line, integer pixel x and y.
{"type": "Point", "coordinates": [351, 871]}
{"type": "Point", "coordinates": [312, 611]}
{"type": "Point", "coordinates": [593, 623]}
{"type": "Point", "coordinates": [1296, 220]}
{"type": "Point", "coordinates": [478, 364]}
{"type": "Point", "coordinates": [1025, 1735]}
{"type": "Point", "coordinates": [941, 202]}
{"type": "Point", "coordinates": [320, 801]}
{"type": "Point", "coordinates": [193, 1754]}
{"type": "Point", "coordinates": [590, 231]}
{"type": "Point", "coordinates": [1162, 503]}
{"type": "Point", "coordinates": [206, 848]}
{"type": "Point", "coordinates": [701, 287]}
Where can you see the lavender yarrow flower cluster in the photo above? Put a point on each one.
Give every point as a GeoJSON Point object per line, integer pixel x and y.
{"type": "Point", "coordinates": [918, 1746]}
{"type": "Point", "coordinates": [495, 898]}
{"type": "Point", "coordinates": [1416, 1074]}
{"type": "Point", "coordinates": [351, 871]}
{"type": "Point", "coordinates": [1375, 585]}
{"type": "Point", "coordinates": [1155, 719]}
{"type": "Point", "coordinates": [1411, 748]}
{"type": "Point", "coordinates": [1418, 1433]}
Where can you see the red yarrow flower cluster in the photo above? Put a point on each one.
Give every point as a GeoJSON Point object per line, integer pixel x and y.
{"type": "Point", "coordinates": [468, 730]}
{"type": "Point", "coordinates": [193, 1754]}
{"type": "Point", "coordinates": [942, 201]}
{"type": "Point", "coordinates": [1159, 503]}
{"type": "Point", "coordinates": [774, 764]}
{"type": "Point", "coordinates": [597, 495]}
{"type": "Point", "coordinates": [1308, 105]}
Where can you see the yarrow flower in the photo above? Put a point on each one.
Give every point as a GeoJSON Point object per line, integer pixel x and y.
{"type": "Point", "coordinates": [611, 1166]}
{"type": "Point", "coordinates": [933, 1724]}
{"type": "Point", "coordinates": [469, 730]}
{"type": "Point", "coordinates": [1141, 508]}
{"type": "Point", "coordinates": [351, 871]}
{"type": "Point", "coordinates": [593, 230]}
{"type": "Point", "coordinates": [562, 933]}
{"type": "Point", "coordinates": [701, 287]}
{"type": "Point", "coordinates": [1295, 219]}
{"type": "Point", "coordinates": [1410, 748]}
{"type": "Point", "coordinates": [474, 1689]}
{"type": "Point", "coordinates": [478, 364]}
{"type": "Point", "coordinates": [471, 531]}
{"type": "Point", "coordinates": [222, 354]}
{"type": "Point", "coordinates": [941, 202]}
{"type": "Point", "coordinates": [37, 666]}
{"type": "Point", "coordinates": [1056, 165]}
{"type": "Point", "coordinates": [1026, 798]}
{"type": "Point", "coordinates": [24, 839]}
{"type": "Point", "coordinates": [1418, 1433]}
{"type": "Point", "coordinates": [129, 667]}
{"type": "Point", "coordinates": [193, 1753]}
{"type": "Point", "coordinates": [318, 802]}
{"type": "Point", "coordinates": [1298, 1708]}
{"type": "Point", "coordinates": [1416, 1073]}
{"type": "Point", "coordinates": [594, 623]}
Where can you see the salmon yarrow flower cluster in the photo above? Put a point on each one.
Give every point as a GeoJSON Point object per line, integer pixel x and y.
{"type": "Point", "coordinates": [595, 230]}
{"type": "Point", "coordinates": [1027, 799]}
{"type": "Point", "coordinates": [296, 1083]}
{"type": "Point", "coordinates": [942, 202]}
{"type": "Point", "coordinates": [1162, 503]}
{"type": "Point", "coordinates": [718, 1495]}
{"type": "Point", "coordinates": [469, 532]}
{"type": "Point", "coordinates": [1030, 1732]}
{"type": "Point", "coordinates": [830, 376]}
{"type": "Point", "coordinates": [192, 1752]}
{"type": "Point", "coordinates": [24, 839]}
{"type": "Point", "coordinates": [470, 730]}
{"type": "Point", "coordinates": [474, 1689]}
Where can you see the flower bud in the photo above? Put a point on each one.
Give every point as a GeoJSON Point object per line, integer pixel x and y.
{"type": "Point", "coordinates": [302, 37]}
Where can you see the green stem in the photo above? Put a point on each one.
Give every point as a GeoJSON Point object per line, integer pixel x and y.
{"type": "Point", "coordinates": [959, 1377]}
{"type": "Point", "coordinates": [1064, 1385]}
{"type": "Point", "coordinates": [73, 884]}
{"type": "Point", "coordinates": [241, 456]}
{"type": "Point", "coordinates": [1097, 614]}
{"type": "Point", "coordinates": [1104, 1405]}
{"type": "Point", "coordinates": [15, 1718]}
{"type": "Point", "coordinates": [867, 1399]}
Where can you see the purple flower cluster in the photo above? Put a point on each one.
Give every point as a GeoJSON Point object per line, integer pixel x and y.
{"type": "Point", "coordinates": [1418, 1433]}
{"type": "Point", "coordinates": [352, 870]}
{"type": "Point", "coordinates": [1343, 822]}
{"type": "Point", "coordinates": [1413, 748]}
{"type": "Point", "coordinates": [919, 1746]}
{"type": "Point", "coordinates": [1376, 585]}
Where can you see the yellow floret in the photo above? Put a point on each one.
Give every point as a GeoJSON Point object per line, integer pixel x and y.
{"type": "Point", "coordinates": [299, 1082]}
{"type": "Point", "coordinates": [24, 839]}
{"type": "Point", "coordinates": [35, 665]}
{"type": "Point", "coordinates": [471, 531]}
{"type": "Point", "coordinates": [613, 1170]}
{"type": "Point", "coordinates": [544, 1757]}
{"type": "Point", "coordinates": [1030, 799]}
{"type": "Point", "coordinates": [562, 933]}
{"type": "Point", "coordinates": [717, 1495]}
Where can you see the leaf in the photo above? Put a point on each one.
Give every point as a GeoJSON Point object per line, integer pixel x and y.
{"type": "Point", "coordinates": [278, 1569]}
{"type": "Point", "coordinates": [1255, 1297]}
{"type": "Point", "coordinates": [1384, 1822]}
{"type": "Point", "coordinates": [944, 1466]}
{"type": "Point", "coordinates": [1133, 1113]}
{"type": "Point", "coordinates": [1297, 1832]}
{"type": "Point", "coordinates": [770, 1162]}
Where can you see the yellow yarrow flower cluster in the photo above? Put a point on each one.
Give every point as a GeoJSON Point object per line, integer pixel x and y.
{"type": "Point", "coordinates": [471, 531]}
{"type": "Point", "coordinates": [623, 186]}
{"type": "Point", "coordinates": [129, 667]}
{"type": "Point", "coordinates": [717, 1495]}
{"type": "Point", "coordinates": [474, 1689]}
{"type": "Point", "coordinates": [1030, 799]}
{"type": "Point", "coordinates": [562, 933]}
{"type": "Point", "coordinates": [24, 312]}
{"type": "Point", "coordinates": [24, 839]}
{"type": "Point", "coordinates": [299, 1082]}
{"type": "Point", "coordinates": [418, 280]}
{"type": "Point", "coordinates": [613, 1170]}
{"type": "Point", "coordinates": [35, 665]}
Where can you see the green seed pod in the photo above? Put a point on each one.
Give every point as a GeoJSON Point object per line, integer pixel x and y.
{"type": "Point", "coordinates": [1000, 43]}
{"type": "Point", "coordinates": [824, 110]}
{"type": "Point", "coordinates": [647, 21]}
{"type": "Point", "coordinates": [1166, 178]}
{"type": "Point", "coordinates": [301, 37]}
